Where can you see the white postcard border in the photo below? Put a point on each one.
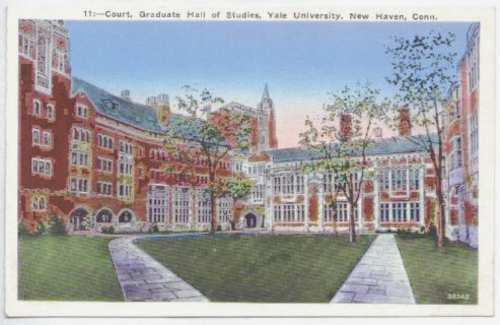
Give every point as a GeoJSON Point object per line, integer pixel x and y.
{"type": "Point", "coordinates": [19, 308]}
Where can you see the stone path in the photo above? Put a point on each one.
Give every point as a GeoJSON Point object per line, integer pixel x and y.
{"type": "Point", "coordinates": [379, 277]}
{"type": "Point", "coordinates": [142, 278]}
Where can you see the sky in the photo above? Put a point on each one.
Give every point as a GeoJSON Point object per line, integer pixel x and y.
{"type": "Point", "coordinates": [300, 61]}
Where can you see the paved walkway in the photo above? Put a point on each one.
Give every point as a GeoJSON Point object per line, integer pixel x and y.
{"type": "Point", "coordinates": [142, 278]}
{"type": "Point", "coordinates": [379, 277]}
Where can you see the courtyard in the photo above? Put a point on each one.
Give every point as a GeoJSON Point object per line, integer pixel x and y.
{"type": "Point", "coordinates": [239, 267]}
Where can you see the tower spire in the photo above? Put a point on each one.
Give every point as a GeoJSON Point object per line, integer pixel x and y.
{"type": "Point", "coordinates": [265, 94]}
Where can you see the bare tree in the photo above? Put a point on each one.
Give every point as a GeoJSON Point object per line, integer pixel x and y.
{"type": "Point", "coordinates": [423, 69]}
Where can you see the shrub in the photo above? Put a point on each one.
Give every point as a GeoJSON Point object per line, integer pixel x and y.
{"type": "Point", "coordinates": [57, 226]}
{"type": "Point", "coordinates": [108, 230]}
{"type": "Point", "coordinates": [40, 228]}
{"type": "Point", "coordinates": [154, 229]}
{"type": "Point", "coordinates": [22, 230]}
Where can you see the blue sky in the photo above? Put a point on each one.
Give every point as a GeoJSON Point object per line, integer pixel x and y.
{"type": "Point", "coordinates": [301, 61]}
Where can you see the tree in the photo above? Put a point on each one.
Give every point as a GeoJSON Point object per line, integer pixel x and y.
{"type": "Point", "coordinates": [237, 187]}
{"type": "Point", "coordinates": [423, 69]}
{"type": "Point", "coordinates": [208, 137]}
{"type": "Point", "coordinates": [341, 140]}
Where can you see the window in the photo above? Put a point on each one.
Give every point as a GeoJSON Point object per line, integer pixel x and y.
{"type": "Point", "coordinates": [81, 135]}
{"type": "Point", "coordinates": [225, 209]}
{"type": "Point", "coordinates": [414, 179]}
{"type": "Point", "coordinates": [415, 211]}
{"type": "Point", "coordinates": [82, 111]}
{"type": "Point", "coordinates": [158, 197]}
{"type": "Point", "coordinates": [342, 211]}
{"type": "Point", "coordinates": [104, 141]}
{"type": "Point", "coordinates": [299, 184]}
{"type": "Point", "coordinates": [287, 184]}
{"type": "Point", "coordinates": [79, 185]}
{"type": "Point", "coordinates": [39, 203]}
{"type": "Point", "coordinates": [289, 213]}
{"type": "Point", "coordinates": [35, 134]}
{"type": "Point", "coordinates": [338, 212]}
{"type": "Point", "coordinates": [105, 188]}
{"type": "Point", "coordinates": [80, 158]}
{"type": "Point", "coordinates": [331, 183]}
{"type": "Point", "coordinates": [385, 179]}
{"type": "Point", "coordinates": [43, 72]}
{"type": "Point", "coordinates": [384, 212]}
{"type": "Point", "coordinates": [60, 60]}
{"type": "Point", "coordinates": [26, 45]}
{"type": "Point", "coordinates": [181, 206]}
{"type": "Point", "coordinates": [47, 138]}
{"type": "Point", "coordinates": [204, 208]}
{"type": "Point", "coordinates": [258, 192]}
{"type": "Point", "coordinates": [399, 212]}
{"type": "Point", "coordinates": [104, 165]}
{"type": "Point", "coordinates": [125, 148]}
{"type": "Point", "coordinates": [398, 179]}
{"type": "Point", "coordinates": [126, 167]}
{"type": "Point", "coordinates": [41, 166]}
{"type": "Point", "coordinates": [276, 184]}
{"type": "Point", "coordinates": [456, 153]}
{"type": "Point", "coordinates": [37, 108]}
{"type": "Point", "coordinates": [125, 191]}
{"type": "Point", "coordinates": [51, 113]}
{"type": "Point", "coordinates": [474, 136]}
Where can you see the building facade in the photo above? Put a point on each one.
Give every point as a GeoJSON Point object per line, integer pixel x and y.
{"type": "Point", "coordinates": [461, 128]}
{"type": "Point", "coordinates": [98, 160]}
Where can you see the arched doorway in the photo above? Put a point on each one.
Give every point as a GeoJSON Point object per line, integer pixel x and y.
{"type": "Point", "coordinates": [104, 216]}
{"type": "Point", "coordinates": [78, 219]}
{"type": "Point", "coordinates": [251, 220]}
{"type": "Point", "coordinates": [125, 217]}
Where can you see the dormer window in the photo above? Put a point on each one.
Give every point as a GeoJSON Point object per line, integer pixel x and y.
{"type": "Point", "coordinates": [82, 111]}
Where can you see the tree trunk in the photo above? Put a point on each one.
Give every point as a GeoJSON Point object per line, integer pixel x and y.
{"type": "Point", "coordinates": [213, 223]}
{"type": "Point", "coordinates": [352, 224]}
{"type": "Point", "coordinates": [441, 222]}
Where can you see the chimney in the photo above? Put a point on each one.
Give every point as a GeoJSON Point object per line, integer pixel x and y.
{"type": "Point", "coordinates": [161, 103]}
{"type": "Point", "coordinates": [345, 131]}
{"type": "Point", "coordinates": [125, 94]}
{"type": "Point", "coordinates": [404, 121]}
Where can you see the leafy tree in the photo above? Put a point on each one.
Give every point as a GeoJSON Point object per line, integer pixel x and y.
{"type": "Point", "coordinates": [341, 140]}
{"type": "Point", "coordinates": [238, 187]}
{"type": "Point", "coordinates": [423, 69]}
{"type": "Point", "coordinates": [209, 136]}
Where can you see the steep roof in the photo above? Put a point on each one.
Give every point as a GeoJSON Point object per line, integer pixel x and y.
{"type": "Point", "coordinates": [125, 111]}
{"type": "Point", "coordinates": [140, 116]}
{"type": "Point", "coordinates": [388, 146]}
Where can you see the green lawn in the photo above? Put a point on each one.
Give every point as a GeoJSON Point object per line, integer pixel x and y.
{"type": "Point", "coordinates": [265, 268]}
{"type": "Point", "coordinates": [440, 276]}
{"type": "Point", "coordinates": [67, 268]}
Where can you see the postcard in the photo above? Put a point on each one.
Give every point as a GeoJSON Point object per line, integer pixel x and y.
{"type": "Point", "coordinates": [250, 161]}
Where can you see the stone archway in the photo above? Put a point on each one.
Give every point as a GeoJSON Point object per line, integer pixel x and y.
{"type": "Point", "coordinates": [104, 215]}
{"type": "Point", "coordinates": [79, 219]}
{"type": "Point", "coordinates": [250, 220]}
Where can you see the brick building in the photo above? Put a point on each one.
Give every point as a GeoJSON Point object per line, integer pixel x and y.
{"type": "Point", "coordinates": [97, 159]}
{"type": "Point", "coordinates": [462, 145]}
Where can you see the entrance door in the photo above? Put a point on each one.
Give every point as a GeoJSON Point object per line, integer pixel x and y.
{"type": "Point", "coordinates": [251, 220]}
{"type": "Point", "coordinates": [77, 219]}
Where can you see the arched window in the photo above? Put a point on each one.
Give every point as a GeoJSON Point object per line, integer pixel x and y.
{"type": "Point", "coordinates": [125, 217]}
{"type": "Point", "coordinates": [104, 216]}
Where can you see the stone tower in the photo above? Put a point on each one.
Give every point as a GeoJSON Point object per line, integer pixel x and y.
{"type": "Point", "coordinates": [266, 123]}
